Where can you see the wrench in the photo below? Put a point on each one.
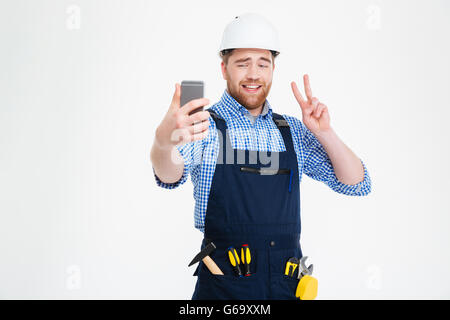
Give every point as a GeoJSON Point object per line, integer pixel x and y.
{"type": "Point", "coordinates": [303, 270]}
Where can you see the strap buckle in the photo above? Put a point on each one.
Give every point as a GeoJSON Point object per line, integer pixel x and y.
{"type": "Point", "coordinates": [281, 123]}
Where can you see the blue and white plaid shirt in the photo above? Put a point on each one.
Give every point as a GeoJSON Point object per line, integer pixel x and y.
{"type": "Point", "coordinates": [263, 135]}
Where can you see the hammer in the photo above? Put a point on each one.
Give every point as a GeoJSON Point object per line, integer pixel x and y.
{"type": "Point", "coordinates": [204, 256]}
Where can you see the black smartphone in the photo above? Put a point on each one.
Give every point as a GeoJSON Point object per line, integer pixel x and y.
{"type": "Point", "coordinates": [191, 90]}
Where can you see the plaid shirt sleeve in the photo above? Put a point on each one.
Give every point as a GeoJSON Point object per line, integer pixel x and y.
{"type": "Point", "coordinates": [318, 166]}
{"type": "Point", "coordinates": [192, 153]}
{"type": "Point", "coordinates": [186, 151]}
{"type": "Point", "coordinates": [315, 163]}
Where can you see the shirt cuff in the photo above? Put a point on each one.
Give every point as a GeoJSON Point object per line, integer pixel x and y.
{"type": "Point", "coordinates": [176, 184]}
{"type": "Point", "coordinates": [362, 188]}
{"type": "Point", "coordinates": [172, 185]}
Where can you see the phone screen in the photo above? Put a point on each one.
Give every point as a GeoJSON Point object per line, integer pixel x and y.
{"type": "Point", "coordinates": [191, 90]}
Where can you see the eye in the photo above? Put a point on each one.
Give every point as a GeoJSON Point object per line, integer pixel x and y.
{"type": "Point", "coordinates": [261, 65]}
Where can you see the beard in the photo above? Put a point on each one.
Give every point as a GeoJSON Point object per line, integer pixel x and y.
{"type": "Point", "coordinates": [248, 100]}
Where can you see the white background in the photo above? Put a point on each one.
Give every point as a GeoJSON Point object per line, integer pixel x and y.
{"type": "Point", "coordinates": [84, 85]}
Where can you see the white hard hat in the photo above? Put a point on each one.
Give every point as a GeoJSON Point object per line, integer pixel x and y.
{"type": "Point", "coordinates": [250, 30]}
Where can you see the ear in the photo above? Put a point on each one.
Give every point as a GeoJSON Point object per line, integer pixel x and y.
{"type": "Point", "coordinates": [224, 70]}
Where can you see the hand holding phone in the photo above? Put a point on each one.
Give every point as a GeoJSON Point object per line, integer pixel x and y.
{"type": "Point", "coordinates": [186, 122]}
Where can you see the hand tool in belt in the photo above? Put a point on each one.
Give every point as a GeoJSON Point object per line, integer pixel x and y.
{"type": "Point", "coordinates": [246, 257]}
{"type": "Point", "coordinates": [307, 286]}
{"type": "Point", "coordinates": [234, 260]}
{"type": "Point", "coordinates": [291, 265]}
{"type": "Point", "coordinates": [204, 256]}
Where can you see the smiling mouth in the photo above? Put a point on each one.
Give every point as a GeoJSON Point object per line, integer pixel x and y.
{"type": "Point", "coordinates": [251, 89]}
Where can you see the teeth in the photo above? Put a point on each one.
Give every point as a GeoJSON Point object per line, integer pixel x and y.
{"type": "Point", "coordinates": [252, 87]}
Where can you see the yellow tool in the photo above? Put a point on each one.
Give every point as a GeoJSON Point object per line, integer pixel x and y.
{"type": "Point", "coordinates": [307, 285]}
{"type": "Point", "coordinates": [246, 257]}
{"type": "Point", "coordinates": [234, 260]}
{"type": "Point", "coordinates": [307, 288]}
{"type": "Point", "coordinates": [291, 265]}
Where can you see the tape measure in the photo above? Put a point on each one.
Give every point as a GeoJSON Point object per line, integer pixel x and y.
{"type": "Point", "coordinates": [307, 288]}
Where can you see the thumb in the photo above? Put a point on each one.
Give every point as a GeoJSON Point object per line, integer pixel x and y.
{"type": "Point", "coordinates": [176, 96]}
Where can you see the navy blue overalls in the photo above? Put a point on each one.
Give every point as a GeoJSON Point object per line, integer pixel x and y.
{"type": "Point", "coordinates": [250, 203]}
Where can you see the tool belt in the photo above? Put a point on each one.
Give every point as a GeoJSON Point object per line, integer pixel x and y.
{"type": "Point", "coordinates": [266, 256]}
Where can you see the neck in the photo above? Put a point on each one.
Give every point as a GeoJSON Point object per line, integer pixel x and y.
{"type": "Point", "coordinates": [257, 111]}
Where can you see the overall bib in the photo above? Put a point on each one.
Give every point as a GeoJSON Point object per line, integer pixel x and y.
{"type": "Point", "coordinates": [251, 203]}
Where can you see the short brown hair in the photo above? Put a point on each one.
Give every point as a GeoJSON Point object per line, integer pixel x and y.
{"type": "Point", "coordinates": [225, 55]}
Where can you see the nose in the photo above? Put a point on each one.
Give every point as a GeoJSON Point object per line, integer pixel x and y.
{"type": "Point", "coordinates": [253, 72]}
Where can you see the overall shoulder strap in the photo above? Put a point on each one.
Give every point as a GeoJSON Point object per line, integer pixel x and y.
{"type": "Point", "coordinates": [285, 130]}
{"type": "Point", "coordinates": [221, 124]}
{"type": "Point", "coordinates": [214, 114]}
{"type": "Point", "coordinates": [279, 120]}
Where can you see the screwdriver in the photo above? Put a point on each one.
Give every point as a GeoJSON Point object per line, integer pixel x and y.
{"type": "Point", "coordinates": [234, 260]}
{"type": "Point", "coordinates": [246, 258]}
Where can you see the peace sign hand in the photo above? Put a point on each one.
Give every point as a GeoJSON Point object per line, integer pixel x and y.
{"type": "Point", "coordinates": [314, 113]}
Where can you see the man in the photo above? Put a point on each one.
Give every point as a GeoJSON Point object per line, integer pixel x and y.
{"type": "Point", "coordinates": [243, 195]}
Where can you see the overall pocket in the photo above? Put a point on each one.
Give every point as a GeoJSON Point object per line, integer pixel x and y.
{"type": "Point", "coordinates": [265, 171]}
{"type": "Point", "coordinates": [268, 171]}
{"type": "Point", "coordinates": [285, 287]}
{"type": "Point", "coordinates": [226, 287]}
{"type": "Point", "coordinates": [229, 285]}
